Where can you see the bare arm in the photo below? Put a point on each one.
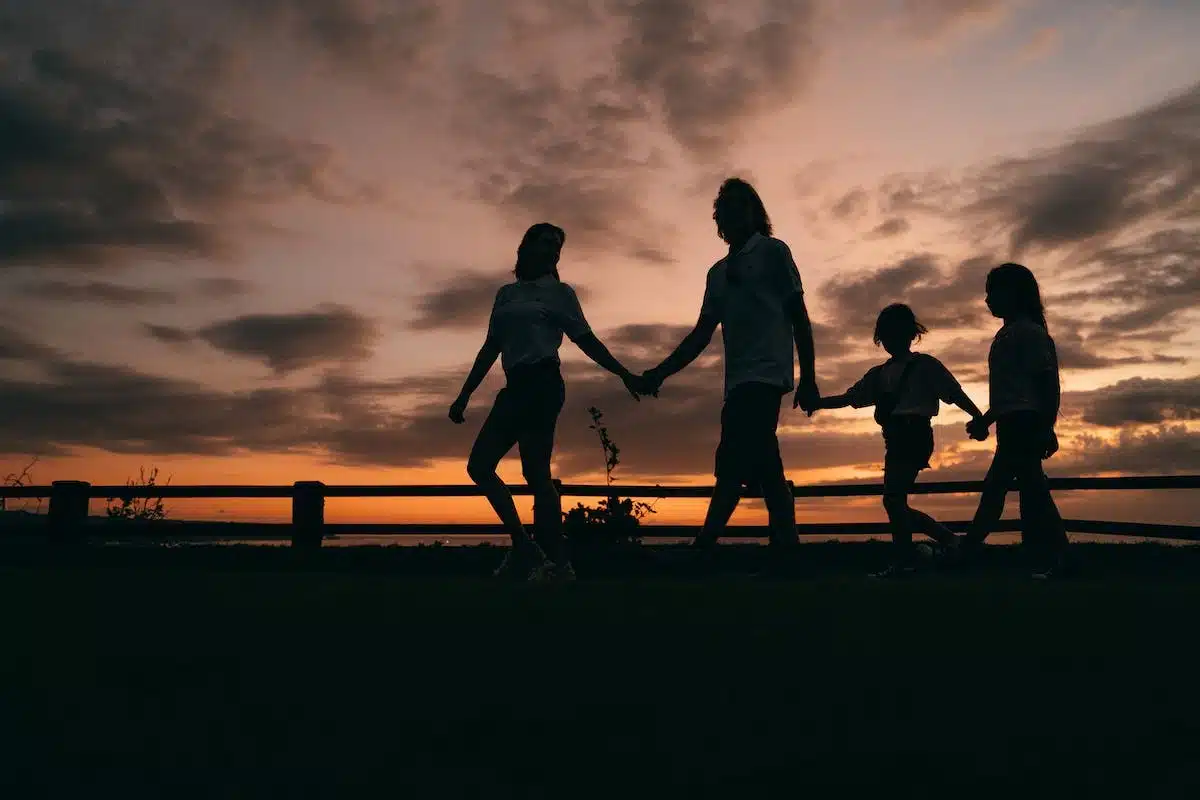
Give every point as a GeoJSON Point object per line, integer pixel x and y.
{"type": "Point", "coordinates": [688, 350]}
{"type": "Point", "coordinates": [594, 349]}
{"type": "Point", "coordinates": [960, 399]}
{"type": "Point", "coordinates": [803, 335]}
{"type": "Point", "coordinates": [1049, 396]}
{"type": "Point", "coordinates": [834, 401]}
{"type": "Point", "coordinates": [479, 370]}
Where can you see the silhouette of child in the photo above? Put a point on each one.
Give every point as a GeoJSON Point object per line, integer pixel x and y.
{"type": "Point", "coordinates": [1023, 383]}
{"type": "Point", "coordinates": [905, 391]}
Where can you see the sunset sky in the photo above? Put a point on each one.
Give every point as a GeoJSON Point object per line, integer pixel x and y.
{"type": "Point", "coordinates": [257, 241]}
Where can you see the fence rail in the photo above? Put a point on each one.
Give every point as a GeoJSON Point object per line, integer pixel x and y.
{"type": "Point", "coordinates": [67, 515]}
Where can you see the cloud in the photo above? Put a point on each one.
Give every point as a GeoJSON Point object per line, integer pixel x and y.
{"type": "Point", "coordinates": [1110, 178]}
{"type": "Point", "coordinates": [1139, 401]}
{"type": "Point", "coordinates": [940, 299]}
{"type": "Point", "coordinates": [16, 346]}
{"type": "Point", "coordinates": [892, 226]}
{"type": "Point", "coordinates": [112, 147]}
{"type": "Point", "coordinates": [1163, 450]}
{"type": "Point", "coordinates": [852, 205]}
{"type": "Point", "coordinates": [289, 342]}
{"type": "Point", "coordinates": [100, 292]}
{"type": "Point", "coordinates": [578, 137]}
{"type": "Point", "coordinates": [386, 41]}
{"type": "Point", "coordinates": [1043, 43]}
{"type": "Point", "coordinates": [167, 334]}
{"type": "Point", "coordinates": [930, 20]}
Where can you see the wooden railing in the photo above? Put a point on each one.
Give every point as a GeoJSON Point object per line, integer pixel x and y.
{"type": "Point", "coordinates": [67, 514]}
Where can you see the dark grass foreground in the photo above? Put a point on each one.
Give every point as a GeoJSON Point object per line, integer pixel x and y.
{"type": "Point", "coordinates": [319, 679]}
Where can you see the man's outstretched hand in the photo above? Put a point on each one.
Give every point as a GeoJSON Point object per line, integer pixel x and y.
{"type": "Point", "coordinates": [808, 396]}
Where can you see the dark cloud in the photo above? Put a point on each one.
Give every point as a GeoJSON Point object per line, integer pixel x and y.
{"type": "Point", "coordinates": [893, 226]}
{"type": "Point", "coordinates": [707, 69]}
{"type": "Point", "coordinates": [167, 334]}
{"type": "Point", "coordinates": [380, 40]}
{"type": "Point", "coordinates": [16, 346]}
{"type": "Point", "coordinates": [101, 292]}
{"type": "Point", "coordinates": [289, 342]}
{"type": "Point", "coordinates": [1108, 179]}
{"type": "Point", "coordinates": [1139, 401]}
{"type": "Point", "coordinates": [940, 299]}
{"type": "Point", "coordinates": [1162, 450]}
{"type": "Point", "coordinates": [852, 205]}
{"type": "Point", "coordinates": [219, 288]}
{"type": "Point", "coordinates": [113, 143]}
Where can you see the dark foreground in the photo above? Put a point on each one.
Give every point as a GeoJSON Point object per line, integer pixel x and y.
{"type": "Point", "coordinates": [158, 674]}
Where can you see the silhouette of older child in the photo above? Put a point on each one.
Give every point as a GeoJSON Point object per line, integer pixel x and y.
{"type": "Point", "coordinates": [905, 391]}
{"type": "Point", "coordinates": [1023, 383]}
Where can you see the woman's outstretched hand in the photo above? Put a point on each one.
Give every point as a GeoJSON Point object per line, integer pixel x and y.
{"type": "Point", "coordinates": [457, 409]}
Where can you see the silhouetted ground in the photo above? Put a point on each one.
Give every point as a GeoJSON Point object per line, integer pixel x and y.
{"type": "Point", "coordinates": [268, 675]}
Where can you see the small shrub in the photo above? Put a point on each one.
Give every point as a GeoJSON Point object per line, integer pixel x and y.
{"type": "Point", "coordinates": [22, 478]}
{"type": "Point", "coordinates": [613, 521]}
{"type": "Point", "coordinates": [139, 509]}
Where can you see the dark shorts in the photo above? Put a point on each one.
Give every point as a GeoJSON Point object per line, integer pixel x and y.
{"type": "Point", "coordinates": [908, 443]}
{"type": "Point", "coordinates": [525, 414]}
{"type": "Point", "coordinates": [749, 449]}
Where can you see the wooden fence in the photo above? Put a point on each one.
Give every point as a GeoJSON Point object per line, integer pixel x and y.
{"type": "Point", "coordinates": [67, 516]}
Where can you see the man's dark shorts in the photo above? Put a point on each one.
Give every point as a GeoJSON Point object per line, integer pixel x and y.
{"type": "Point", "coordinates": [749, 448]}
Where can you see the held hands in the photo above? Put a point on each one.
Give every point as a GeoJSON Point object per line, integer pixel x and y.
{"type": "Point", "coordinates": [808, 396]}
{"type": "Point", "coordinates": [457, 409]}
{"type": "Point", "coordinates": [977, 429]}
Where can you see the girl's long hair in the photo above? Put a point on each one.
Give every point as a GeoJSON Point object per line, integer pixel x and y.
{"type": "Point", "coordinates": [1020, 289]}
{"type": "Point", "coordinates": [524, 269]}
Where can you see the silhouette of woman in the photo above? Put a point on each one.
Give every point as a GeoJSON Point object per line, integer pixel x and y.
{"type": "Point", "coordinates": [528, 320]}
{"type": "Point", "coordinates": [1024, 389]}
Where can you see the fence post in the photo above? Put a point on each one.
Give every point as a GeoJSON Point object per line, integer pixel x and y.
{"type": "Point", "coordinates": [68, 511]}
{"type": "Point", "coordinates": [308, 514]}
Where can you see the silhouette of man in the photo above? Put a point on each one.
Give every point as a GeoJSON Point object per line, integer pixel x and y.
{"type": "Point", "coordinates": [755, 295]}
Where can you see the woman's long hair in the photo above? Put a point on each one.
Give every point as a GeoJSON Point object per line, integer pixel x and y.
{"type": "Point", "coordinates": [1016, 283]}
{"type": "Point", "coordinates": [737, 192]}
{"type": "Point", "coordinates": [526, 269]}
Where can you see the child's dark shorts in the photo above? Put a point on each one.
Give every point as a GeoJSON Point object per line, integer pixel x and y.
{"type": "Point", "coordinates": [908, 443]}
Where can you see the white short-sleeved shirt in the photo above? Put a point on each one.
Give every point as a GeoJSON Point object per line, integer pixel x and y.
{"type": "Point", "coordinates": [752, 310]}
{"type": "Point", "coordinates": [529, 319]}
{"type": "Point", "coordinates": [1021, 350]}
{"type": "Point", "coordinates": [928, 382]}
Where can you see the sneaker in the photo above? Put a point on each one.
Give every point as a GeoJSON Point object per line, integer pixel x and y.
{"type": "Point", "coordinates": [893, 571]}
{"type": "Point", "coordinates": [550, 572]}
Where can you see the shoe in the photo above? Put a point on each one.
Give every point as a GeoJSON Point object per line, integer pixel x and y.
{"type": "Point", "coordinates": [893, 571]}
{"type": "Point", "coordinates": [550, 572]}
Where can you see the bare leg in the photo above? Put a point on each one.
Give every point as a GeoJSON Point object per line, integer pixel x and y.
{"type": "Point", "coordinates": [496, 438]}
{"type": "Point", "coordinates": [725, 497]}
